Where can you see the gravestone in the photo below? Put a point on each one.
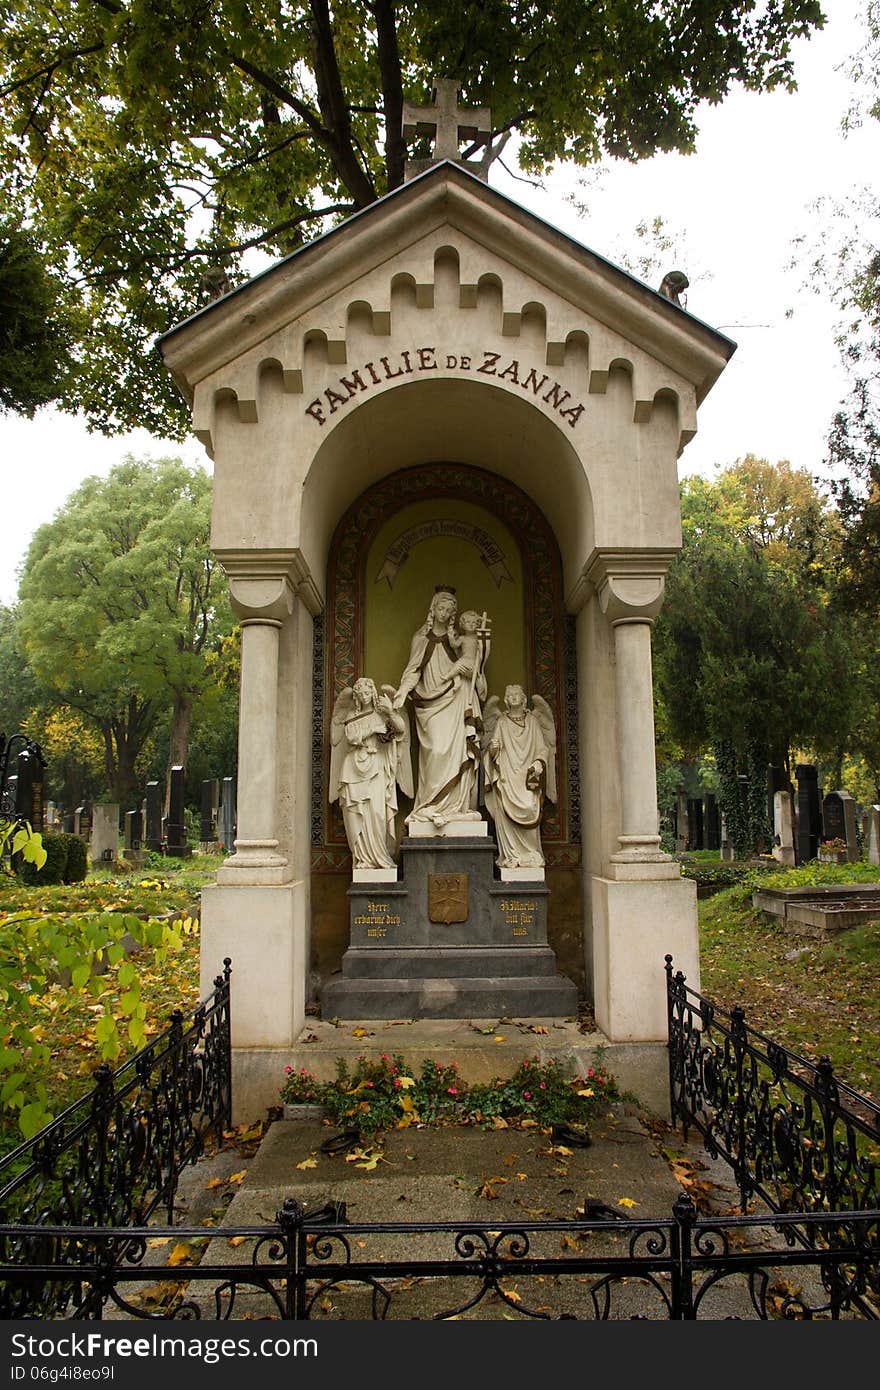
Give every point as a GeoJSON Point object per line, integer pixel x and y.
{"type": "Point", "coordinates": [68, 823]}
{"type": "Point", "coordinates": [682, 824]}
{"type": "Point", "coordinates": [29, 788]}
{"type": "Point", "coordinates": [728, 850]}
{"type": "Point", "coordinates": [133, 834]}
{"type": "Point", "coordinates": [839, 822]}
{"type": "Point", "coordinates": [809, 813]}
{"type": "Point", "coordinates": [227, 815]}
{"type": "Point", "coordinates": [711, 821]}
{"type": "Point", "coordinates": [154, 818]}
{"type": "Point", "coordinates": [208, 818]}
{"type": "Point", "coordinates": [449, 940]}
{"type": "Point", "coordinates": [783, 828]}
{"type": "Point", "coordinates": [695, 823]}
{"type": "Point", "coordinates": [175, 831]}
{"type": "Point", "coordinates": [872, 837]}
{"type": "Point", "coordinates": [104, 843]}
{"type": "Point", "coordinates": [82, 822]}
{"type": "Point", "coordinates": [776, 782]}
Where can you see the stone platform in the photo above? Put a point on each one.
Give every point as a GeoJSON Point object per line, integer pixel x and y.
{"type": "Point", "coordinates": [448, 940]}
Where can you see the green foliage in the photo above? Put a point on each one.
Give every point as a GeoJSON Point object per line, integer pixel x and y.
{"type": "Point", "coordinates": [120, 599]}
{"type": "Point", "coordinates": [35, 331]}
{"type": "Point", "coordinates": [53, 867]}
{"type": "Point", "coordinates": [19, 839]}
{"type": "Point", "coordinates": [381, 1093]}
{"type": "Point", "coordinates": [816, 873]}
{"type": "Point", "coordinates": [36, 948]}
{"type": "Point", "coordinates": [77, 865]}
{"type": "Point", "coordinates": [158, 143]}
{"type": "Point", "coordinates": [723, 874]}
{"type": "Point", "coordinates": [754, 654]}
{"type": "Point", "coordinates": [67, 861]}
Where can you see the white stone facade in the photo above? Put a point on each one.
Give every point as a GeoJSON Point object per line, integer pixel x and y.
{"type": "Point", "coordinates": [446, 323]}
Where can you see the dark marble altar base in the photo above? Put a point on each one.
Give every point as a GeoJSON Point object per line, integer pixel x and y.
{"type": "Point", "coordinates": [493, 961]}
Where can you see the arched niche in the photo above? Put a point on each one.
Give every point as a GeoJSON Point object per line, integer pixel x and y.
{"type": "Point", "coordinates": [488, 536]}
{"type": "Point", "coordinates": [460, 421]}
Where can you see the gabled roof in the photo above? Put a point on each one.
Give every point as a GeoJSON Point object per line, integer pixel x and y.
{"type": "Point", "coordinates": [445, 195]}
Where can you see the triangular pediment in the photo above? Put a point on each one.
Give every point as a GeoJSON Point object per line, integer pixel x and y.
{"type": "Point", "coordinates": [536, 275]}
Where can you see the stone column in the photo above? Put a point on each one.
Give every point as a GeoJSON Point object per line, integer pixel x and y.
{"type": "Point", "coordinates": [262, 602]}
{"type": "Point", "coordinates": [630, 591]}
{"type": "Point", "coordinates": [641, 908]}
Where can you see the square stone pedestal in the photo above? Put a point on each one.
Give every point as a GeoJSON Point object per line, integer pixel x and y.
{"type": "Point", "coordinates": [448, 940]}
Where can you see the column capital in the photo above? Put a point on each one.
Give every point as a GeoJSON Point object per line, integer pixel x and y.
{"type": "Point", "coordinates": [629, 586]}
{"type": "Point", "coordinates": [265, 583]}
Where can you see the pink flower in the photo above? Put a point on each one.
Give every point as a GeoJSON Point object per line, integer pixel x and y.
{"type": "Point", "coordinates": [543, 1085]}
{"type": "Point", "coordinates": [397, 1085]}
{"type": "Point", "coordinates": [369, 1085]}
{"type": "Point", "coordinates": [527, 1095]}
{"type": "Point", "coordinates": [590, 1072]}
{"type": "Point", "coordinates": [451, 1090]}
{"type": "Point", "coordinates": [288, 1070]}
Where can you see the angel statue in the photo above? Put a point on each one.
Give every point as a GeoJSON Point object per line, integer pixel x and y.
{"type": "Point", "coordinates": [519, 770]}
{"type": "Point", "coordinates": [369, 760]}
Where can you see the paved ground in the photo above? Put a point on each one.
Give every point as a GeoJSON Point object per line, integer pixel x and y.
{"type": "Point", "coordinates": [636, 1166]}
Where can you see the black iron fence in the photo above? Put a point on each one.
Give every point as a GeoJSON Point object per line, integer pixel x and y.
{"type": "Point", "coordinates": [679, 1267]}
{"type": "Point", "coordinates": [115, 1156]}
{"type": "Point", "coordinates": [76, 1242]}
{"type": "Point", "coordinates": [794, 1134]}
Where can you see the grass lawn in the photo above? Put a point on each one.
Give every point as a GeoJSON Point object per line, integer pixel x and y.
{"type": "Point", "coordinates": [814, 995]}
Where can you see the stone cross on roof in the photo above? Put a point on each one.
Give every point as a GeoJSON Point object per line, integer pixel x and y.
{"type": "Point", "coordinates": [449, 123]}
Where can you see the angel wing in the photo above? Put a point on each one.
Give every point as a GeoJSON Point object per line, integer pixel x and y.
{"type": "Point", "coordinates": [544, 716]}
{"type": "Point", "coordinates": [342, 710]}
{"type": "Point", "coordinates": [404, 754]}
{"type": "Point", "coordinates": [491, 711]}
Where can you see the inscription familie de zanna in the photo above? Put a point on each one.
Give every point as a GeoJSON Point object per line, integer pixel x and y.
{"type": "Point", "coordinates": [427, 359]}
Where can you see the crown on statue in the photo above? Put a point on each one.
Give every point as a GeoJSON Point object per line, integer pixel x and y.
{"type": "Point", "coordinates": [444, 589]}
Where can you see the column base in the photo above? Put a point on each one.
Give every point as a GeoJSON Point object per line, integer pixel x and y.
{"type": "Point", "coordinates": [635, 925]}
{"type": "Point", "coordinates": [254, 862]}
{"type": "Point", "coordinates": [264, 930]}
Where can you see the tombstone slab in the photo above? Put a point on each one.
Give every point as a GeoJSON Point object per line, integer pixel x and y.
{"type": "Point", "coordinates": [809, 813]}
{"type": "Point", "coordinates": [839, 822]}
{"type": "Point", "coordinates": [872, 839]}
{"type": "Point", "coordinates": [104, 844]}
{"type": "Point", "coordinates": [175, 830]}
{"type": "Point", "coordinates": [154, 818]}
{"type": "Point", "coordinates": [783, 829]}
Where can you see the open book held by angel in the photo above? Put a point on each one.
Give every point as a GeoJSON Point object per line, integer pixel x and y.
{"type": "Point", "coordinates": [369, 760]}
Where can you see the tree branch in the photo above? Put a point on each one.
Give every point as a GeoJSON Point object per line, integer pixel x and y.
{"type": "Point", "coordinates": [392, 90]}
{"type": "Point", "coordinates": [334, 108]}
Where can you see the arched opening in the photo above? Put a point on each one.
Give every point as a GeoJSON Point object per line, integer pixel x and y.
{"type": "Point", "coordinates": [467, 526]}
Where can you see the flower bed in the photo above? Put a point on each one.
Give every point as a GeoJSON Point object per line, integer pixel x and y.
{"type": "Point", "coordinates": [383, 1094]}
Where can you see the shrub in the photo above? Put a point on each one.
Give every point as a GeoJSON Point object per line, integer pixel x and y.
{"type": "Point", "coordinates": [77, 859]}
{"type": "Point", "coordinates": [53, 869]}
{"type": "Point", "coordinates": [67, 861]}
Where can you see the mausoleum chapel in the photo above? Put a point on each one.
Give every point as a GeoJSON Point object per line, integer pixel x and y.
{"type": "Point", "coordinates": [445, 440]}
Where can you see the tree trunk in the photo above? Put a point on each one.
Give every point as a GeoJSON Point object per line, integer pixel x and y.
{"type": "Point", "coordinates": [178, 752]}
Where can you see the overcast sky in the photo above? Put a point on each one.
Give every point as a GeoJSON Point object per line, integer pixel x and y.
{"type": "Point", "coordinates": [736, 206]}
